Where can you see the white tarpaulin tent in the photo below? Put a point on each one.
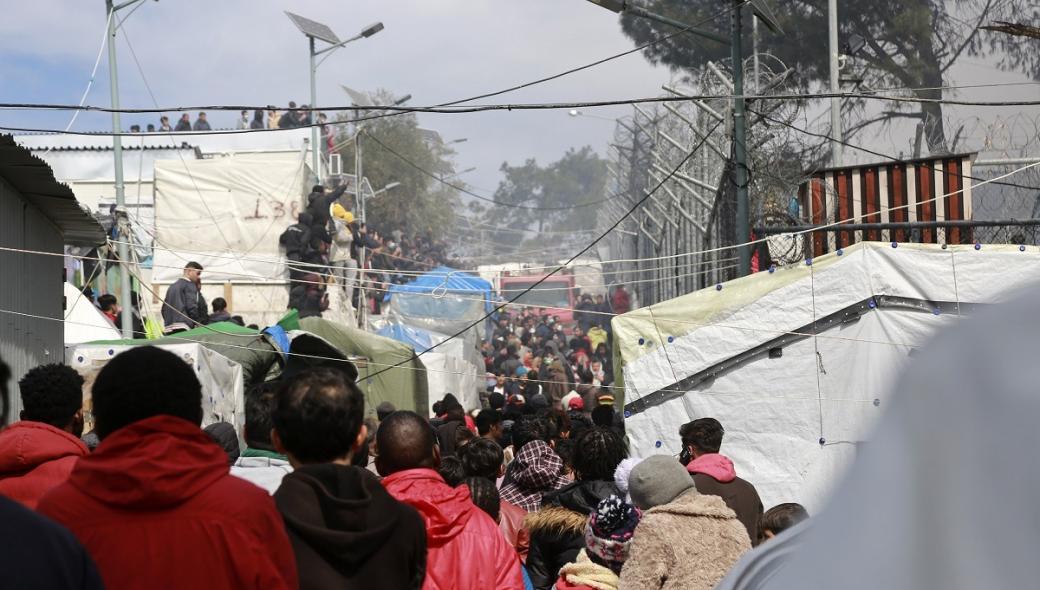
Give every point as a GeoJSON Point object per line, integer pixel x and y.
{"type": "Point", "coordinates": [226, 214]}
{"type": "Point", "coordinates": [83, 321]}
{"type": "Point", "coordinates": [797, 364]}
{"type": "Point", "coordinates": [223, 395]}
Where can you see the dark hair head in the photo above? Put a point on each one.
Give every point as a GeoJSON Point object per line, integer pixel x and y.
{"type": "Point", "coordinates": [564, 447]}
{"type": "Point", "coordinates": [224, 435]}
{"type": "Point", "coordinates": [194, 265]}
{"type": "Point", "coordinates": [603, 416]}
{"type": "Point", "coordinates": [529, 428]}
{"type": "Point", "coordinates": [703, 434]}
{"type": "Point", "coordinates": [485, 495]}
{"type": "Point", "coordinates": [452, 471]}
{"type": "Point", "coordinates": [454, 413]}
{"type": "Point", "coordinates": [481, 457]}
{"type": "Point", "coordinates": [107, 301]}
{"type": "Point", "coordinates": [486, 420]}
{"type": "Point", "coordinates": [219, 304]}
{"type": "Point", "coordinates": [384, 409]}
{"type": "Point", "coordinates": [51, 394]}
{"type": "Point", "coordinates": [497, 401]}
{"type": "Point", "coordinates": [405, 441]}
{"type": "Point", "coordinates": [318, 188]}
{"type": "Point", "coordinates": [318, 415]}
{"type": "Point", "coordinates": [597, 454]}
{"type": "Point", "coordinates": [259, 407]}
{"type": "Point", "coordinates": [781, 517]}
{"type": "Point", "coordinates": [142, 382]}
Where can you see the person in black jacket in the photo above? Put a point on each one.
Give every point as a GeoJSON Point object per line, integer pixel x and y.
{"type": "Point", "coordinates": [346, 530]}
{"type": "Point", "coordinates": [558, 529]}
{"type": "Point", "coordinates": [319, 204]}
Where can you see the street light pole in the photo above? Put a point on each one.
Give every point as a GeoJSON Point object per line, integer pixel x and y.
{"type": "Point", "coordinates": [743, 224]}
{"type": "Point", "coordinates": [122, 249]}
{"type": "Point", "coordinates": [362, 300]}
{"type": "Point", "coordinates": [832, 26]}
{"type": "Point", "coordinates": [315, 148]}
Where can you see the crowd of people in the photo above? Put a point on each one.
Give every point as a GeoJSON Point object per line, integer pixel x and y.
{"type": "Point", "coordinates": [322, 496]}
{"type": "Point", "coordinates": [328, 246]}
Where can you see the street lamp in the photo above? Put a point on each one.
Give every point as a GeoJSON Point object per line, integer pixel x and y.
{"type": "Point", "coordinates": [122, 249]}
{"type": "Point", "coordinates": [580, 113]}
{"type": "Point", "coordinates": [386, 188]}
{"type": "Point", "coordinates": [315, 31]}
{"type": "Point", "coordinates": [760, 10]}
{"type": "Point", "coordinates": [459, 140]}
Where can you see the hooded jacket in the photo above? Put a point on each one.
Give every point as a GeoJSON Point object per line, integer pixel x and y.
{"type": "Point", "coordinates": [348, 532]}
{"type": "Point", "coordinates": [713, 474]}
{"type": "Point", "coordinates": [34, 458]}
{"type": "Point", "coordinates": [155, 506]}
{"type": "Point", "coordinates": [465, 549]}
{"type": "Point", "coordinates": [688, 543]}
{"type": "Point", "coordinates": [558, 529]}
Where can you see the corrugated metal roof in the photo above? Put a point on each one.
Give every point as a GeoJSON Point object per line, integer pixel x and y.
{"type": "Point", "coordinates": [34, 179]}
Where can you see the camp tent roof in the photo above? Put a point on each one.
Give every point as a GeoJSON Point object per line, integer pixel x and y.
{"type": "Point", "coordinates": [797, 363]}
{"type": "Point", "coordinates": [419, 339]}
{"type": "Point", "coordinates": [405, 386]}
{"type": "Point", "coordinates": [446, 280]}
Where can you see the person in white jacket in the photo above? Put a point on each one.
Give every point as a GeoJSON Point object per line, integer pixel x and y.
{"type": "Point", "coordinates": [342, 261]}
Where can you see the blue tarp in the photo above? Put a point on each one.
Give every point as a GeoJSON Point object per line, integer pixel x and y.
{"type": "Point", "coordinates": [420, 340]}
{"type": "Point", "coordinates": [447, 280]}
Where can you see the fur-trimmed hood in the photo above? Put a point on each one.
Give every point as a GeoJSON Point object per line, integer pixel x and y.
{"type": "Point", "coordinates": [556, 521]}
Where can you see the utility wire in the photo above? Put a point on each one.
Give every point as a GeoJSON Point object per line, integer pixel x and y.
{"type": "Point", "coordinates": [572, 258]}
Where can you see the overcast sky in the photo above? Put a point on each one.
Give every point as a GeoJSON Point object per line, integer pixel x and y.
{"type": "Point", "coordinates": [247, 51]}
{"type": "Point", "coordinates": [239, 51]}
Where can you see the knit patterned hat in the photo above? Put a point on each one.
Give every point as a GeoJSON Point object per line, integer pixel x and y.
{"type": "Point", "coordinates": [608, 533]}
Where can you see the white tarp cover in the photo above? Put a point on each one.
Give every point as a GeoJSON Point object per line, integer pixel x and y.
{"type": "Point", "coordinates": [226, 214]}
{"type": "Point", "coordinates": [777, 410]}
{"type": "Point", "coordinates": [223, 396]}
{"type": "Point", "coordinates": [453, 368]}
{"type": "Point", "coordinates": [83, 321]}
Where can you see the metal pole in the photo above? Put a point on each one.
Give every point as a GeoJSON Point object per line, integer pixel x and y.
{"type": "Point", "coordinates": [362, 301]}
{"type": "Point", "coordinates": [740, 146]}
{"type": "Point", "coordinates": [315, 148]}
{"type": "Point", "coordinates": [832, 25]}
{"type": "Point", "coordinates": [127, 325]}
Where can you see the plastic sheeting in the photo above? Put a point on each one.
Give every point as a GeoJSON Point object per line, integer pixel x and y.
{"type": "Point", "coordinates": [452, 367]}
{"type": "Point", "coordinates": [794, 418]}
{"type": "Point", "coordinates": [222, 378]}
{"type": "Point", "coordinates": [226, 214]}
{"type": "Point", "coordinates": [83, 321]}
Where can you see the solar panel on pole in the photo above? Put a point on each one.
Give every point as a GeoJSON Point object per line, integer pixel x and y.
{"type": "Point", "coordinates": [313, 28]}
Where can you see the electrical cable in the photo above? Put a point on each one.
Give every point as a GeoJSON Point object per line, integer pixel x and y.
{"type": "Point", "coordinates": [577, 255]}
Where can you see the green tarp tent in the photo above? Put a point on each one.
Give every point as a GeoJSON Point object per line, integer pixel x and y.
{"type": "Point", "coordinates": [404, 386]}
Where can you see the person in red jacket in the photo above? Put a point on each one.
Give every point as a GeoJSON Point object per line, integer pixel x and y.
{"type": "Point", "coordinates": [154, 504]}
{"type": "Point", "coordinates": [620, 301]}
{"type": "Point", "coordinates": [465, 549]}
{"type": "Point", "coordinates": [38, 453]}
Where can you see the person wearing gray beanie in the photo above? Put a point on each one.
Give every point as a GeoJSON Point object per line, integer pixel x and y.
{"type": "Point", "coordinates": [658, 480]}
{"type": "Point", "coordinates": [693, 537]}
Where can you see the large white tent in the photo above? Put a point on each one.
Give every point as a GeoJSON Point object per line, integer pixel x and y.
{"type": "Point", "coordinates": [797, 363]}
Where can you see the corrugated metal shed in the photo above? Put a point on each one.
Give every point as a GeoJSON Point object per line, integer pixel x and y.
{"type": "Point", "coordinates": [33, 179]}
{"type": "Point", "coordinates": [37, 214]}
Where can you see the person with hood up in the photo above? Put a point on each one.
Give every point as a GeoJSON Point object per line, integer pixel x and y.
{"type": "Point", "coordinates": [346, 530]}
{"type": "Point", "coordinates": [686, 540]}
{"type": "Point", "coordinates": [154, 504]}
{"type": "Point", "coordinates": [958, 440]}
{"type": "Point", "coordinates": [535, 471]}
{"type": "Point", "coordinates": [715, 475]}
{"type": "Point", "coordinates": [559, 384]}
{"type": "Point", "coordinates": [608, 540]}
{"type": "Point", "coordinates": [557, 530]}
{"type": "Point", "coordinates": [260, 463]}
{"type": "Point", "coordinates": [39, 452]}
{"type": "Point", "coordinates": [465, 549]}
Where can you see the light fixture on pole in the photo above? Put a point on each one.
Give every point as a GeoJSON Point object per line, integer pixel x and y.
{"type": "Point", "coordinates": [122, 247]}
{"type": "Point", "coordinates": [386, 188]}
{"type": "Point", "coordinates": [315, 31]}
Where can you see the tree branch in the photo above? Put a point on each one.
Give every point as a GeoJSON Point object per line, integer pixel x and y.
{"type": "Point", "coordinates": [967, 40]}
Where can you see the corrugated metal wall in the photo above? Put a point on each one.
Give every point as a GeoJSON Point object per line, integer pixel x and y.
{"type": "Point", "coordinates": [30, 284]}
